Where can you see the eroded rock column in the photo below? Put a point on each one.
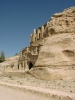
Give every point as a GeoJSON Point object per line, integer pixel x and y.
{"type": "Point", "coordinates": [42, 31]}
{"type": "Point", "coordinates": [26, 65]}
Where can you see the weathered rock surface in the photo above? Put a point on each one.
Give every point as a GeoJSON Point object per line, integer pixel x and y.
{"type": "Point", "coordinates": [63, 22]}
{"type": "Point", "coordinates": [56, 58]}
{"type": "Point", "coordinates": [59, 49]}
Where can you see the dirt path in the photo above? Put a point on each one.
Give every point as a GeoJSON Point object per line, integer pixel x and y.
{"type": "Point", "coordinates": [32, 93]}
{"type": "Point", "coordinates": [7, 93]}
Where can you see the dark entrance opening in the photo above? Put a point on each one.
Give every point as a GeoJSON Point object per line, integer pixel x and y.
{"type": "Point", "coordinates": [18, 66]}
{"type": "Point", "coordinates": [52, 31]}
{"type": "Point", "coordinates": [30, 65]}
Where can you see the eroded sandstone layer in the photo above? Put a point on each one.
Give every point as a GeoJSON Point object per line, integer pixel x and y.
{"type": "Point", "coordinates": [59, 48]}
{"type": "Point", "coordinates": [51, 44]}
{"type": "Point", "coordinates": [56, 58]}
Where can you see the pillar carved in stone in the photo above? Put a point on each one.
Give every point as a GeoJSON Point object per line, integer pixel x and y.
{"type": "Point", "coordinates": [30, 37]}
{"type": "Point", "coordinates": [34, 35]}
{"type": "Point", "coordinates": [26, 65]}
{"type": "Point", "coordinates": [38, 33]}
{"type": "Point", "coordinates": [42, 31]}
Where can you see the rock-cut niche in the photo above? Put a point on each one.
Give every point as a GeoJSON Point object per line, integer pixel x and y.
{"type": "Point", "coordinates": [51, 31]}
{"type": "Point", "coordinates": [68, 53]}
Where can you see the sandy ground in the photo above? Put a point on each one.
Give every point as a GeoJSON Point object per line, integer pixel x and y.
{"type": "Point", "coordinates": [7, 93]}
{"type": "Point", "coordinates": [37, 91]}
{"type": "Point", "coordinates": [60, 85]}
{"type": "Point", "coordinates": [67, 86]}
{"type": "Point", "coordinates": [56, 88]}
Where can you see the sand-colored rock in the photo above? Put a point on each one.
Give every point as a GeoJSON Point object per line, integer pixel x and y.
{"type": "Point", "coordinates": [58, 50]}
{"type": "Point", "coordinates": [56, 57]}
{"type": "Point", "coordinates": [10, 63]}
{"type": "Point", "coordinates": [52, 43]}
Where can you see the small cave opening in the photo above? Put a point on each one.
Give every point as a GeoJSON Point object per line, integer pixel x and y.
{"type": "Point", "coordinates": [30, 65]}
{"type": "Point", "coordinates": [18, 66]}
{"type": "Point", "coordinates": [52, 31]}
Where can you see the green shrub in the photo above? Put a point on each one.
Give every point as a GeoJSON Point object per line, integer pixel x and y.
{"type": "Point", "coordinates": [2, 56]}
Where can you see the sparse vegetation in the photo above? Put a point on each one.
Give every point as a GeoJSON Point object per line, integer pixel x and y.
{"type": "Point", "coordinates": [16, 54]}
{"type": "Point", "coordinates": [2, 56]}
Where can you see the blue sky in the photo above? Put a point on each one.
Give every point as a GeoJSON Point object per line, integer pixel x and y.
{"type": "Point", "coordinates": [18, 18]}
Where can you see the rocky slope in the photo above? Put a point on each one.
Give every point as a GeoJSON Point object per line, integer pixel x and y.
{"type": "Point", "coordinates": [10, 63]}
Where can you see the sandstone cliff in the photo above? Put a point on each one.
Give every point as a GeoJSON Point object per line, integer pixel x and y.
{"type": "Point", "coordinates": [56, 58]}
{"type": "Point", "coordinates": [59, 48]}
{"type": "Point", "coordinates": [63, 22]}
